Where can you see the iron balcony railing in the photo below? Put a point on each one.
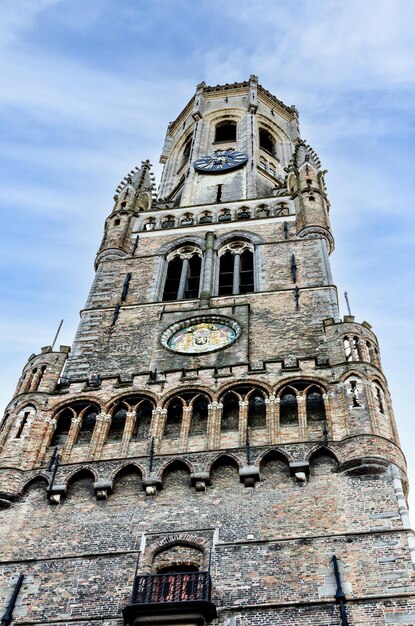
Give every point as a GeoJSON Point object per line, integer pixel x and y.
{"type": "Point", "coordinates": [171, 587]}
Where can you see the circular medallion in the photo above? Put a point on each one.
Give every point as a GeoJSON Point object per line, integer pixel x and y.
{"type": "Point", "coordinates": [220, 161]}
{"type": "Point", "coordinates": [200, 335]}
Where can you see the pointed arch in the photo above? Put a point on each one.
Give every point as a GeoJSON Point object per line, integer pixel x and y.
{"type": "Point", "coordinates": [175, 465]}
{"type": "Point", "coordinates": [39, 479]}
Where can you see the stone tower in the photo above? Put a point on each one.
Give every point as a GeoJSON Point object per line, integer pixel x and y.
{"type": "Point", "coordinates": [218, 446]}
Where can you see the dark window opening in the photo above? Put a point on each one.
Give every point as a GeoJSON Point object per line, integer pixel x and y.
{"type": "Point", "coordinates": [183, 278]}
{"type": "Point", "coordinates": [117, 222]}
{"type": "Point", "coordinates": [171, 286]}
{"type": "Point", "coordinates": [117, 425]}
{"type": "Point", "coordinates": [225, 217]}
{"type": "Point", "coordinates": [219, 193]}
{"type": "Point", "coordinates": [206, 218]}
{"type": "Point", "coordinates": [315, 406]}
{"type": "Point", "coordinates": [257, 412]}
{"type": "Point", "coordinates": [266, 141]}
{"type": "Point", "coordinates": [198, 424]}
{"type": "Point", "coordinates": [230, 413]}
{"type": "Point", "coordinates": [22, 424]}
{"type": "Point", "coordinates": [87, 427]}
{"type": "Point", "coordinates": [62, 428]}
{"type": "Point", "coordinates": [380, 400]}
{"type": "Point", "coordinates": [225, 131]}
{"type": "Point", "coordinates": [193, 277]}
{"type": "Point", "coordinates": [288, 409]}
{"type": "Point", "coordinates": [226, 274]}
{"type": "Point", "coordinates": [174, 419]}
{"type": "Point", "coordinates": [143, 420]}
{"type": "Point", "coordinates": [247, 272]}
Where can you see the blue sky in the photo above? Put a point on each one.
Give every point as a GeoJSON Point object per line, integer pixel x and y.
{"type": "Point", "coordinates": [88, 87]}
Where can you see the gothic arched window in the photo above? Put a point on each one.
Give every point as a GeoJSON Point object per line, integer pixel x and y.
{"type": "Point", "coordinates": [64, 421]}
{"type": "Point", "coordinates": [230, 412]}
{"type": "Point", "coordinates": [225, 131]}
{"type": "Point", "coordinates": [183, 274]}
{"type": "Point", "coordinates": [288, 407]}
{"type": "Point", "coordinates": [143, 420]}
{"type": "Point", "coordinates": [236, 269]}
{"type": "Point", "coordinates": [118, 418]}
{"type": "Point", "coordinates": [257, 410]}
{"type": "Point", "coordinates": [266, 141]}
{"type": "Point", "coordinates": [174, 419]}
{"type": "Point", "coordinates": [198, 424]}
{"type": "Point", "coordinates": [315, 405]}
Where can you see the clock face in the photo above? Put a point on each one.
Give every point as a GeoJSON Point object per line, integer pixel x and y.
{"type": "Point", "coordinates": [220, 161]}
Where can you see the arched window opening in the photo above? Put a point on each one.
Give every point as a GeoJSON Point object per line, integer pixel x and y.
{"type": "Point", "coordinates": [143, 420]}
{"type": "Point", "coordinates": [116, 430]}
{"type": "Point", "coordinates": [236, 270]}
{"type": "Point", "coordinates": [257, 411]}
{"type": "Point", "coordinates": [198, 425]}
{"type": "Point", "coordinates": [379, 399]}
{"type": "Point", "coordinates": [315, 405]}
{"type": "Point", "coordinates": [347, 349]}
{"type": "Point", "coordinates": [186, 150]}
{"type": "Point", "coordinates": [168, 222]}
{"type": "Point", "coordinates": [288, 408]}
{"type": "Point", "coordinates": [262, 211]}
{"type": "Point", "coordinates": [244, 214]}
{"type": "Point", "coordinates": [225, 216]}
{"type": "Point", "coordinates": [63, 426]}
{"type": "Point", "coordinates": [150, 224]}
{"type": "Point", "coordinates": [174, 419]}
{"type": "Point", "coordinates": [356, 349]}
{"type": "Point", "coordinates": [225, 131]}
{"type": "Point", "coordinates": [183, 275]}
{"type": "Point", "coordinates": [266, 141]}
{"type": "Point", "coordinates": [24, 416]}
{"type": "Point", "coordinates": [87, 426]}
{"type": "Point", "coordinates": [206, 218]}
{"type": "Point", "coordinates": [230, 412]}
{"type": "Point", "coordinates": [354, 392]}
{"type": "Point", "coordinates": [187, 220]}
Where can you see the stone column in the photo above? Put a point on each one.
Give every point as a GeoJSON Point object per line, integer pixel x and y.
{"type": "Point", "coordinates": [100, 434]}
{"type": "Point", "coordinates": [236, 284]}
{"type": "Point", "coordinates": [270, 405]}
{"type": "Point", "coordinates": [36, 380]}
{"type": "Point", "coordinates": [207, 279]}
{"type": "Point", "coordinates": [183, 279]}
{"type": "Point", "coordinates": [344, 408]}
{"type": "Point", "coordinates": [71, 438]}
{"type": "Point", "coordinates": [49, 429]}
{"type": "Point", "coordinates": [184, 432]}
{"type": "Point", "coordinates": [130, 419]}
{"type": "Point", "coordinates": [243, 421]}
{"type": "Point", "coordinates": [158, 423]}
{"type": "Point", "coordinates": [302, 417]}
{"type": "Point", "coordinates": [213, 425]}
{"type": "Point", "coordinates": [372, 406]}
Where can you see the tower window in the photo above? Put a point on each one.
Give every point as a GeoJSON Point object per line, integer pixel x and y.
{"type": "Point", "coordinates": [225, 131]}
{"type": "Point", "coordinates": [266, 141]}
{"type": "Point", "coordinates": [63, 426]}
{"type": "Point", "coordinates": [22, 425]}
{"type": "Point", "coordinates": [315, 405]}
{"type": "Point", "coordinates": [236, 269]}
{"type": "Point", "coordinates": [183, 275]}
{"type": "Point", "coordinates": [288, 408]}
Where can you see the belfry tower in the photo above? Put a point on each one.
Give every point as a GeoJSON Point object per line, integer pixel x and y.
{"type": "Point", "coordinates": [218, 446]}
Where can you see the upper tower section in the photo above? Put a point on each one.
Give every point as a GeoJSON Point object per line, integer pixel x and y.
{"type": "Point", "coordinates": [221, 120]}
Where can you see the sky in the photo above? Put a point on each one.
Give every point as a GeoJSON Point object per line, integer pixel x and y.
{"type": "Point", "coordinates": [86, 92]}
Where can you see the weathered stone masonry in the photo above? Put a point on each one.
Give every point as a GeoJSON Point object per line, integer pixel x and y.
{"type": "Point", "coordinates": [256, 459]}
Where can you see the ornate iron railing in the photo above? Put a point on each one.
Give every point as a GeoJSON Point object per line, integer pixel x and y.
{"type": "Point", "coordinates": [170, 587]}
